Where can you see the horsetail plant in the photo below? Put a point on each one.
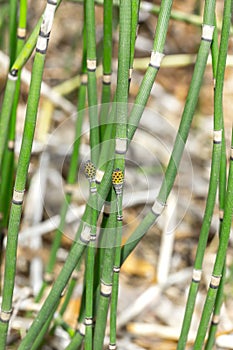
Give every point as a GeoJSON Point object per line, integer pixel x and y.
{"type": "Point", "coordinates": [182, 133]}
{"type": "Point", "coordinates": [220, 259]}
{"type": "Point", "coordinates": [214, 177]}
{"type": "Point", "coordinates": [117, 182]}
{"type": "Point", "coordinates": [109, 141]}
{"type": "Point", "coordinates": [102, 191]}
{"type": "Point", "coordinates": [107, 67]}
{"type": "Point", "coordinates": [90, 172]}
{"type": "Point", "coordinates": [91, 85]}
{"type": "Point", "coordinates": [7, 171]}
{"type": "Point", "coordinates": [105, 289]}
{"type": "Point", "coordinates": [72, 172]}
{"type": "Point", "coordinates": [21, 174]}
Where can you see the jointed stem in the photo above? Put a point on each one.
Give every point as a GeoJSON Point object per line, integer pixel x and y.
{"type": "Point", "coordinates": [20, 181]}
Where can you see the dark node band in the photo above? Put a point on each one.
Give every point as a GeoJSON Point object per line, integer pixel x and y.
{"type": "Point", "coordinates": [153, 66]}
{"type": "Point", "coordinates": [214, 323]}
{"type": "Point", "coordinates": [14, 73]}
{"type": "Point", "coordinates": [213, 286]}
{"type": "Point", "coordinates": [44, 35]}
{"type": "Point", "coordinates": [195, 281]}
{"type": "Point", "coordinates": [205, 39]}
{"type": "Point", "coordinates": [51, 2]}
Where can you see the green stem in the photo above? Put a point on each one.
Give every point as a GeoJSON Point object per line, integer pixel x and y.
{"type": "Point", "coordinates": [7, 175]}
{"type": "Point", "coordinates": [89, 275]}
{"type": "Point", "coordinates": [219, 261]}
{"type": "Point", "coordinates": [107, 67]}
{"type": "Point", "coordinates": [20, 181]}
{"type": "Point", "coordinates": [106, 278]}
{"type": "Point", "coordinates": [91, 86]}
{"type": "Point", "coordinates": [121, 142]}
{"type": "Point", "coordinates": [181, 137]}
{"type": "Point", "coordinates": [72, 173]}
{"type": "Point", "coordinates": [30, 44]}
{"type": "Point", "coordinates": [13, 30]}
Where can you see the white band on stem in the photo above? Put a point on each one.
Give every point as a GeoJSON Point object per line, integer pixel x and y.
{"type": "Point", "coordinates": [158, 207]}
{"type": "Point", "coordinates": [11, 144]}
{"type": "Point", "coordinates": [156, 59]}
{"type": "Point", "coordinates": [221, 214]}
{"type": "Point", "coordinates": [197, 275]}
{"type": "Point", "coordinates": [88, 321]}
{"type": "Point", "coordinates": [105, 289]}
{"type": "Point", "coordinates": [21, 33]}
{"type": "Point", "coordinates": [48, 277]}
{"type": "Point", "coordinates": [18, 197]}
{"type": "Point", "coordinates": [84, 79]}
{"type": "Point", "coordinates": [130, 73]}
{"type": "Point", "coordinates": [12, 77]}
{"type": "Point", "coordinates": [86, 232]}
{"type": "Point", "coordinates": [91, 64]}
{"type": "Point", "coordinates": [215, 319]}
{"type": "Point", "coordinates": [217, 136]}
{"type": "Point", "coordinates": [82, 329]}
{"type": "Point", "coordinates": [215, 281]}
{"type": "Point", "coordinates": [48, 16]}
{"type": "Point", "coordinates": [207, 32]}
{"type": "Point", "coordinates": [99, 175]}
{"type": "Point", "coordinates": [121, 145]}
{"type": "Point", "coordinates": [112, 347]}
{"type": "Point", "coordinates": [107, 78]}
{"type": "Point", "coordinates": [93, 238]}
{"type": "Point", "coordinates": [42, 44]}
{"type": "Point", "coordinates": [116, 269]}
{"type": "Point", "coordinates": [5, 316]}
{"type": "Point", "coordinates": [146, 6]}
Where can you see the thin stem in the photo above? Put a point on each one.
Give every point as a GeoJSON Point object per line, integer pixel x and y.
{"type": "Point", "coordinates": [90, 260]}
{"type": "Point", "coordinates": [71, 178]}
{"type": "Point", "coordinates": [105, 290]}
{"type": "Point", "coordinates": [7, 175]}
{"type": "Point", "coordinates": [219, 261]}
{"type": "Point", "coordinates": [107, 67]}
{"type": "Point", "coordinates": [121, 143]}
{"type": "Point", "coordinates": [13, 30]}
{"type": "Point", "coordinates": [30, 44]}
{"type": "Point", "coordinates": [91, 86]}
{"type": "Point", "coordinates": [181, 137]}
{"type": "Point", "coordinates": [21, 176]}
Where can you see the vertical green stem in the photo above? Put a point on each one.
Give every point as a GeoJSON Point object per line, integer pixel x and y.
{"type": "Point", "coordinates": [72, 173]}
{"type": "Point", "coordinates": [90, 172]}
{"type": "Point", "coordinates": [13, 30]}
{"type": "Point", "coordinates": [106, 278]}
{"type": "Point", "coordinates": [219, 261]}
{"type": "Point", "coordinates": [181, 137]}
{"type": "Point", "coordinates": [21, 176]}
{"type": "Point", "coordinates": [107, 67]}
{"type": "Point", "coordinates": [7, 174]}
{"type": "Point", "coordinates": [91, 86]}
